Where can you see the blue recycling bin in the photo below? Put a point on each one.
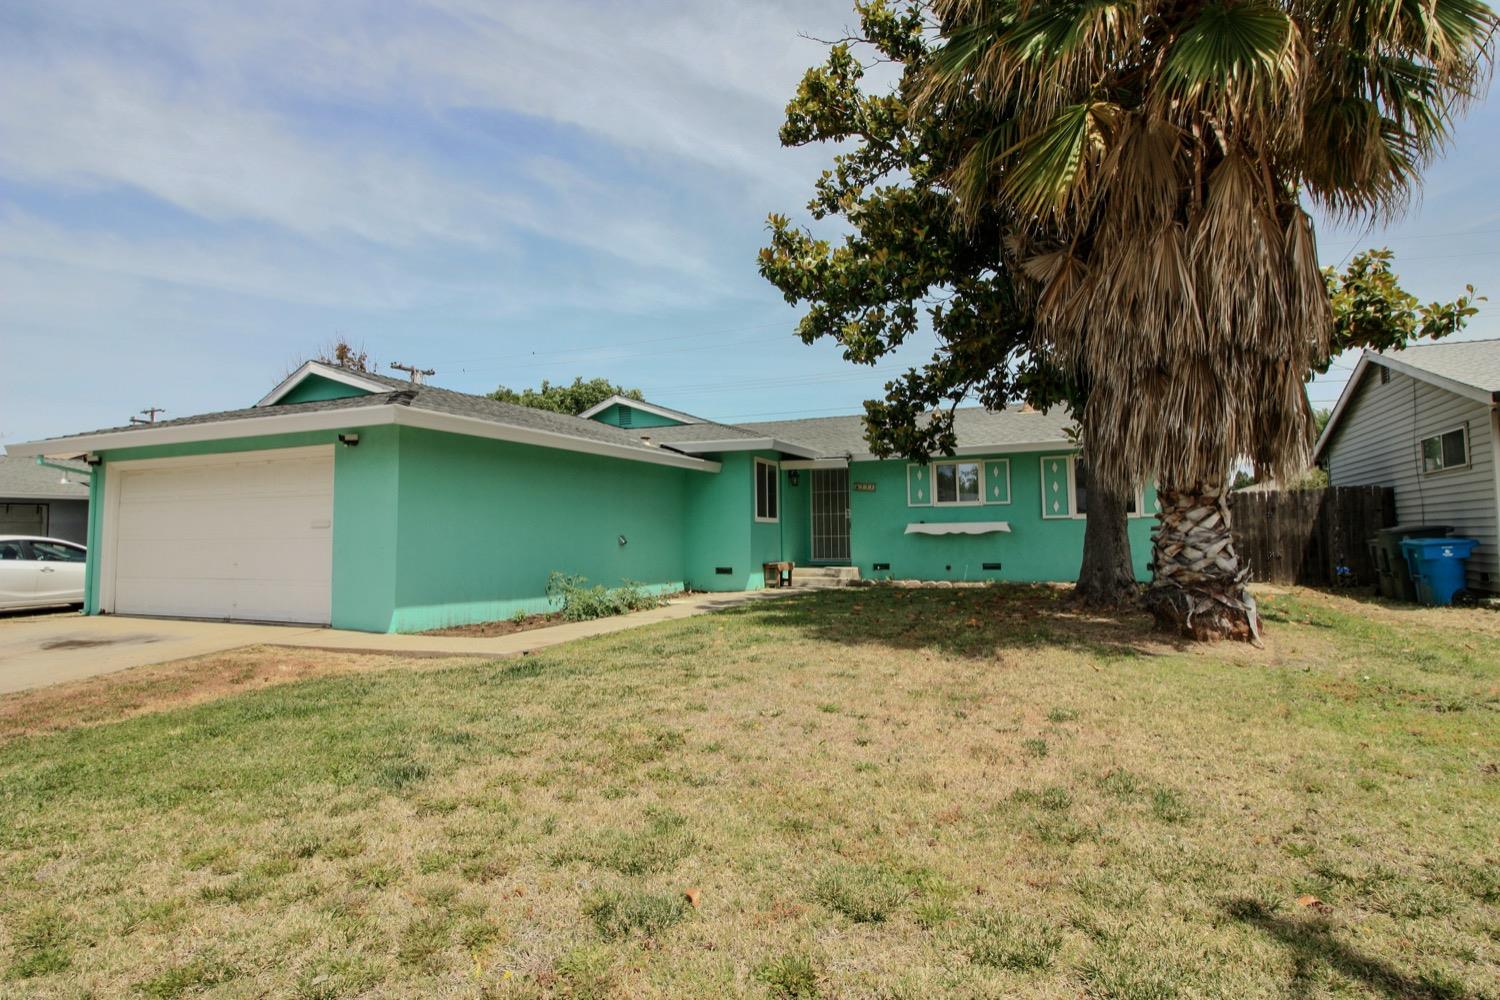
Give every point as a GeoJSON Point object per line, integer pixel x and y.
{"type": "Point", "coordinates": [1437, 566]}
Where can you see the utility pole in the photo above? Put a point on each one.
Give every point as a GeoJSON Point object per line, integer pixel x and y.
{"type": "Point", "coordinates": [150, 412]}
{"type": "Point", "coordinates": [413, 372]}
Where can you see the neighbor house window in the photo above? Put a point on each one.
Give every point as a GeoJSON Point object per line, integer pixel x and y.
{"type": "Point", "coordinates": [1445, 451]}
{"type": "Point", "coordinates": [957, 482]}
{"type": "Point", "coordinates": [767, 490]}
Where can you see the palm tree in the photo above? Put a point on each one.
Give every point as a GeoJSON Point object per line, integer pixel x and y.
{"type": "Point", "coordinates": [1159, 158]}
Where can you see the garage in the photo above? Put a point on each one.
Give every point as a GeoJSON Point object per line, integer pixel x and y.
{"type": "Point", "coordinates": [23, 519]}
{"type": "Point", "coordinates": [246, 537]}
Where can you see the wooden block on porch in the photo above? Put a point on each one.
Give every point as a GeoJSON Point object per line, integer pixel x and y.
{"type": "Point", "coordinates": [780, 572]}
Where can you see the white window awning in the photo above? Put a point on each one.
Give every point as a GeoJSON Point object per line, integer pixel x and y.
{"type": "Point", "coordinates": [959, 528]}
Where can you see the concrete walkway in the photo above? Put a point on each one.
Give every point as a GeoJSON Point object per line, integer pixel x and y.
{"type": "Point", "coordinates": [36, 651]}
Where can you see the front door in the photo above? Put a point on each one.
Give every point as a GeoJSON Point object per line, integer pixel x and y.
{"type": "Point", "coordinates": [830, 515]}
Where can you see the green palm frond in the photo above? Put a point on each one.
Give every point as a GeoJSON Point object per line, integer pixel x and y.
{"type": "Point", "coordinates": [973, 180]}
{"type": "Point", "coordinates": [1049, 170]}
{"type": "Point", "coordinates": [1236, 58]}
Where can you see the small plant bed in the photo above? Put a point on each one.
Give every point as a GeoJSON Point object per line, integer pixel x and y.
{"type": "Point", "coordinates": [503, 626]}
{"type": "Point", "coordinates": [577, 601]}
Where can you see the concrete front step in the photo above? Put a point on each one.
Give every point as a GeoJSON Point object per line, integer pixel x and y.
{"type": "Point", "coordinates": [823, 577]}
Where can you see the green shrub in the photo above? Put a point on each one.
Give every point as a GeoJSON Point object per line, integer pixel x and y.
{"type": "Point", "coordinates": [580, 603]}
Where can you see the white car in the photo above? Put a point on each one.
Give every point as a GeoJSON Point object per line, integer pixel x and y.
{"type": "Point", "coordinates": [40, 572]}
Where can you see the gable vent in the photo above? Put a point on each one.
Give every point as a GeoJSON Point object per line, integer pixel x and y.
{"type": "Point", "coordinates": [626, 416]}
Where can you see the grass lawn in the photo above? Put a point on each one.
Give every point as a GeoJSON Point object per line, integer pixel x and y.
{"type": "Point", "coordinates": [869, 793]}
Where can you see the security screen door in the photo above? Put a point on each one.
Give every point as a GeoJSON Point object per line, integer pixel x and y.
{"type": "Point", "coordinates": [830, 515]}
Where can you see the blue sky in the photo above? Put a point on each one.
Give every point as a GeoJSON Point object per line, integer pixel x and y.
{"type": "Point", "coordinates": [193, 196]}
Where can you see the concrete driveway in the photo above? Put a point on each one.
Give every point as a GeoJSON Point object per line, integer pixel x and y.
{"type": "Point", "coordinates": [38, 650]}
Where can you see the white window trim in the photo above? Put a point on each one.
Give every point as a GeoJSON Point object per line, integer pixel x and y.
{"type": "Point", "coordinates": [755, 491]}
{"type": "Point", "coordinates": [909, 477]}
{"type": "Point", "coordinates": [984, 474]}
{"type": "Point", "coordinates": [1468, 453]}
{"type": "Point", "coordinates": [933, 467]}
{"type": "Point", "coordinates": [1072, 491]}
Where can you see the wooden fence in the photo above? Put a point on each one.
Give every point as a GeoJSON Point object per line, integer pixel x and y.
{"type": "Point", "coordinates": [1303, 536]}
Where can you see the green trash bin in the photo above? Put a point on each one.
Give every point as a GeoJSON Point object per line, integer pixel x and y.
{"type": "Point", "coordinates": [1395, 574]}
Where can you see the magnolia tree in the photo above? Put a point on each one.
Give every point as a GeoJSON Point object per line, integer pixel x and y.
{"type": "Point", "coordinates": [907, 263]}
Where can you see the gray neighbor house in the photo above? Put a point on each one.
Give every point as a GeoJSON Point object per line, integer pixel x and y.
{"type": "Point", "coordinates": [1426, 422]}
{"type": "Point", "coordinates": [43, 500]}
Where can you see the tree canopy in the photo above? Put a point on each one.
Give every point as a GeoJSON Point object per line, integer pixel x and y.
{"type": "Point", "coordinates": [1371, 309]}
{"type": "Point", "coordinates": [907, 260]}
{"type": "Point", "coordinates": [571, 398]}
{"type": "Point", "coordinates": [1159, 159]}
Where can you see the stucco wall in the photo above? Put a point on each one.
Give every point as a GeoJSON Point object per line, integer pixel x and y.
{"type": "Point", "coordinates": [716, 527]}
{"type": "Point", "coordinates": [482, 524]}
{"type": "Point", "coordinates": [1378, 443]}
{"type": "Point", "coordinates": [1035, 549]}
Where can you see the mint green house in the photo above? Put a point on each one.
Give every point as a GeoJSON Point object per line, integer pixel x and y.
{"type": "Point", "coordinates": [365, 502]}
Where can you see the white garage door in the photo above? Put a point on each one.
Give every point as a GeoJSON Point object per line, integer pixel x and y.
{"type": "Point", "coordinates": [247, 537]}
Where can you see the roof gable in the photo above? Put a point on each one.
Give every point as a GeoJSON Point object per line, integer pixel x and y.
{"type": "Point", "coordinates": [622, 411]}
{"type": "Point", "coordinates": [315, 381]}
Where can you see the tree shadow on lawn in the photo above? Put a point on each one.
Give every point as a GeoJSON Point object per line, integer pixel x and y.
{"type": "Point", "coordinates": [963, 621]}
{"type": "Point", "coordinates": [1313, 942]}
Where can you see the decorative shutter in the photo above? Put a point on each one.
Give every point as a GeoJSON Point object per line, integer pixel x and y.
{"type": "Point", "coordinates": [918, 485]}
{"type": "Point", "coordinates": [1055, 499]}
{"type": "Point", "coordinates": [997, 481]}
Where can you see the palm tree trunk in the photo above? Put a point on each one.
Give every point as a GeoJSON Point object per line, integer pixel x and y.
{"type": "Point", "coordinates": [1106, 579]}
{"type": "Point", "coordinates": [1200, 588]}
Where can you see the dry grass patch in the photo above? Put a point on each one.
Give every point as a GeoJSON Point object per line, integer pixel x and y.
{"type": "Point", "coordinates": [875, 793]}
{"type": "Point", "coordinates": [179, 683]}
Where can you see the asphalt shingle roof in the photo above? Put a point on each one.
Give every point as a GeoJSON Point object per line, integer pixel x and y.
{"type": "Point", "coordinates": [246, 413]}
{"type": "Point", "coordinates": [22, 478]}
{"type": "Point", "coordinates": [419, 397]}
{"type": "Point", "coordinates": [825, 436]}
{"type": "Point", "coordinates": [975, 426]}
{"type": "Point", "coordinates": [1472, 362]}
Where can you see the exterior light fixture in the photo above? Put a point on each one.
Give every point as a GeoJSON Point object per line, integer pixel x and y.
{"type": "Point", "coordinates": [624, 540]}
{"type": "Point", "coordinates": [792, 476]}
{"type": "Point", "coordinates": [348, 440]}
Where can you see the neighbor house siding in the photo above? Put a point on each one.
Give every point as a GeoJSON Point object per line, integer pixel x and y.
{"type": "Point", "coordinates": [1378, 443]}
{"type": "Point", "coordinates": [68, 519]}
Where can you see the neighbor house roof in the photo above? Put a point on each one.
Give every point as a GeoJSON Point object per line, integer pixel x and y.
{"type": "Point", "coordinates": [23, 479]}
{"type": "Point", "coordinates": [1468, 368]}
